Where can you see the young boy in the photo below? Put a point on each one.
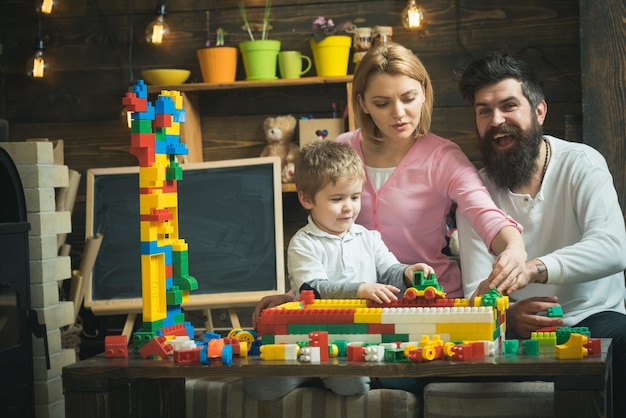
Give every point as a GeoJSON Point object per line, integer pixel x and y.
{"type": "Point", "coordinates": [332, 255]}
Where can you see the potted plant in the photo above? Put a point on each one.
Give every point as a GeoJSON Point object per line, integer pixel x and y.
{"type": "Point", "coordinates": [259, 55]}
{"type": "Point", "coordinates": [218, 62]}
{"type": "Point", "coordinates": [331, 51]}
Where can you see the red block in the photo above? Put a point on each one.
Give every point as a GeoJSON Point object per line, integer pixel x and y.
{"type": "Point", "coordinates": [115, 346]}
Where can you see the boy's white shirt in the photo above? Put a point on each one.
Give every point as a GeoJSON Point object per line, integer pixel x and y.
{"type": "Point", "coordinates": [336, 266]}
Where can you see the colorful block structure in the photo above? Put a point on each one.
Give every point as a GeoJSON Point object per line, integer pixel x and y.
{"type": "Point", "coordinates": [166, 283]}
{"type": "Point", "coordinates": [405, 320]}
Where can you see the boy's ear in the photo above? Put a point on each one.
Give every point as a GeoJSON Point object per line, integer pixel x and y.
{"type": "Point", "coordinates": [305, 201]}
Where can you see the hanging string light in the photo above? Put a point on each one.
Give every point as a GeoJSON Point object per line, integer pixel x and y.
{"type": "Point", "coordinates": [157, 30]}
{"type": "Point", "coordinates": [412, 15]}
{"type": "Point", "coordinates": [36, 65]}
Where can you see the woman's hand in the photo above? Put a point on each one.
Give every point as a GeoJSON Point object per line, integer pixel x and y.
{"type": "Point", "coordinates": [410, 271]}
{"type": "Point", "coordinates": [509, 271]}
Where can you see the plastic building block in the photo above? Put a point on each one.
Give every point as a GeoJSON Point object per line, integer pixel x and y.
{"type": "Point", "coordinates": [510, 347]}
{"type": "Point", "coordinates": [320, 339]}
{"type": "Point", "coordinates": [189, 356]}
{"type": "Point", "coordinates": [574, 348]}
{"type": "Point", "coordinates": [355, 352]}
{"type": "Point", "coordinates": [115, 346]}
{"type": "Point", "coordinates": [530, 347]}
{"type": "Point", "coordinates": [555, 312]}
{"type": "Point", "coordinates": [279, 352]}
{"type": "Point", "coordinates": [157, 347]}
{"type": "Point", "coordinates": [593, 346]}
{"type": "Point", "coordinates": [310, 354]}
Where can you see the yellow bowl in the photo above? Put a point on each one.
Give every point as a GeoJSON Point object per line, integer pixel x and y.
{"type": "Point", "coordinates": [164, 76]}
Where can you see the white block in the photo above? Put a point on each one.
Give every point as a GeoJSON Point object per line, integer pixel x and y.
{"type": "Point", "coordinates": [56, 316]}
{"type": "Point", "coordinates": [58, 360]}
{"type": "Point", "coordinates": [48, 391]}
{"type": "Point", "coordinates": [45, 294]}
{"type": "Point", "coordinates": [30, 152]}
{"type": "Point", "coordinates": [42, 247]}
{"type": "Point", "coordinates": [40, 199]}
{"type": "Point", "coordinates": [43, 175]}
{"type": "Point", "coordinates": [54, 342]}
{"type": "Point", "coordinates": [50, 270]}
{"type": "Point", "coordinates": [44, 223]}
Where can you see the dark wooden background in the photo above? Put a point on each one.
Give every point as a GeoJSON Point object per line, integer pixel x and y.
{"type": "Point", "coordinates": [96, 49]}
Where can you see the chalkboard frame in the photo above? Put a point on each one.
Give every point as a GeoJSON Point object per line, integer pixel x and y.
{"type": "Point", "coordinates": [199, 299]}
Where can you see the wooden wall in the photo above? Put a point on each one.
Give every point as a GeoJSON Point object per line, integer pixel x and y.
{"type": "Point", "coordinates": [96, 48]}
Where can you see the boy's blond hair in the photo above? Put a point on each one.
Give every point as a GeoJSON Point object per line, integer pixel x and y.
{"type": "Point", "coordinates": [321, 162]}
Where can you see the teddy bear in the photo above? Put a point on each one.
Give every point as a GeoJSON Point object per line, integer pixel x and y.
{"type": "Point", "coordinates": [280, 134]}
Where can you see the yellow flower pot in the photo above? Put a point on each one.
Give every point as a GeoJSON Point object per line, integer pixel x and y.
{"type": "Point", "coordinates": [331, 55]}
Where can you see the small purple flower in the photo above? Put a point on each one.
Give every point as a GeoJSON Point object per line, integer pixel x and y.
{"type": "Point", "coordinates": [323, 27]}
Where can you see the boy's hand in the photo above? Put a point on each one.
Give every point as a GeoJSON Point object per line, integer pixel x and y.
{"type": "Point", "coordinates": [410, 271]}
{"type": "Point", "coordinates": [377, 292]}
{"type": "Point", "coordinates": [270, 302]}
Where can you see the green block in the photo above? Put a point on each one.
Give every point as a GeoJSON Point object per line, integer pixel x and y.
{"type": "Point", "coordinates": [530, 347]}
{"type": "Point", "coordinates": [347, 329]}
{"type": "Point", "coordinates": [342, 346]}
{"type": "Point", "coordinates": [395, 355]}
{"type": "Point", "coordinates": [174, 296]}
{"type": "Point", "coordinates": [304, 329]}
{"type": "Point", "coordinates": [555, 312]}
{"type": "Point", "coordinates": [392, 338]}
{"type": "Point", "coordinates": [268, 339]}
{"type": "Point", "coordinates": [141, 126]}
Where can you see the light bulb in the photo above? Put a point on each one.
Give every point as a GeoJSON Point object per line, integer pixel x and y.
{"type": "Point", "coordinates": [412, 16]}
{"type": "Point", "coordinates": [36, 65]}
{"type": "Point", "coordinates": [157, 30]}
{"type": "Point", "coordinates": [45, 6]}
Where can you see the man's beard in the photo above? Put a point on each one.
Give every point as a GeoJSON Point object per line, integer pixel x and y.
{"type": "Point", "coordinates": [512, 168]}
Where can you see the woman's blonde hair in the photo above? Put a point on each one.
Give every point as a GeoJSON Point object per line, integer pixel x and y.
{"type": "Point", "coordinates": [325, 161]}
{"type": "Point", "coordinates": [393, 59]}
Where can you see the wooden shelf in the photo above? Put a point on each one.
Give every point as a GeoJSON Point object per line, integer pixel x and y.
{"type": "Point", "coordinates": [249, 84]}
{"type": "Point", "coordinates": [289, 187]}
{"type": "Point", "coordinates": [191, 130]}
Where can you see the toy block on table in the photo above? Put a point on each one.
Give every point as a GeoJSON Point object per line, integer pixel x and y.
{"type": "Point", "coordinates": [115, 346]}
{"type": "Point", "coordinates": [156, 347]}
{"type": "Point", "coordinates": [574, 348]}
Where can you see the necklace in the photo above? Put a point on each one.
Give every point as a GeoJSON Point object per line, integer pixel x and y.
{"type": "Point", "coordinates": [545, 162]}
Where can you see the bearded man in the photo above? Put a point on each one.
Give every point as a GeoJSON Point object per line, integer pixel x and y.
{"type": "Point", "coordinates": [563, 195]}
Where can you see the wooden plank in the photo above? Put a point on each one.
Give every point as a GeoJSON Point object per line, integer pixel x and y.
{"type": "Point", "coordinates": [604, 125]}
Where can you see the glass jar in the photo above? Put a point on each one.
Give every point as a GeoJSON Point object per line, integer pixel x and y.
{"type": "Point", "coordinates": [382, 35]}
{"type": "Point", "coordinates": [362, 39]}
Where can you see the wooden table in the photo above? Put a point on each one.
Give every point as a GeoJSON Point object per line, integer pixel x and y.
{"type": "Point", "coordinates": [135, 387]}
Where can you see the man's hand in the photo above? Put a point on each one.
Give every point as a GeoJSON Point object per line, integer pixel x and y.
{"type": "Point", "coordinates": [377, 292]}
{"type": "Point", "coordinates": [270, 302]}
{"type": "Point", "coordinates": [522, 317]}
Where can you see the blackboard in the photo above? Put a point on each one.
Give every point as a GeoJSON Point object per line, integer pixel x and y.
{"type": "Point", "coordinates": [230, 215]}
